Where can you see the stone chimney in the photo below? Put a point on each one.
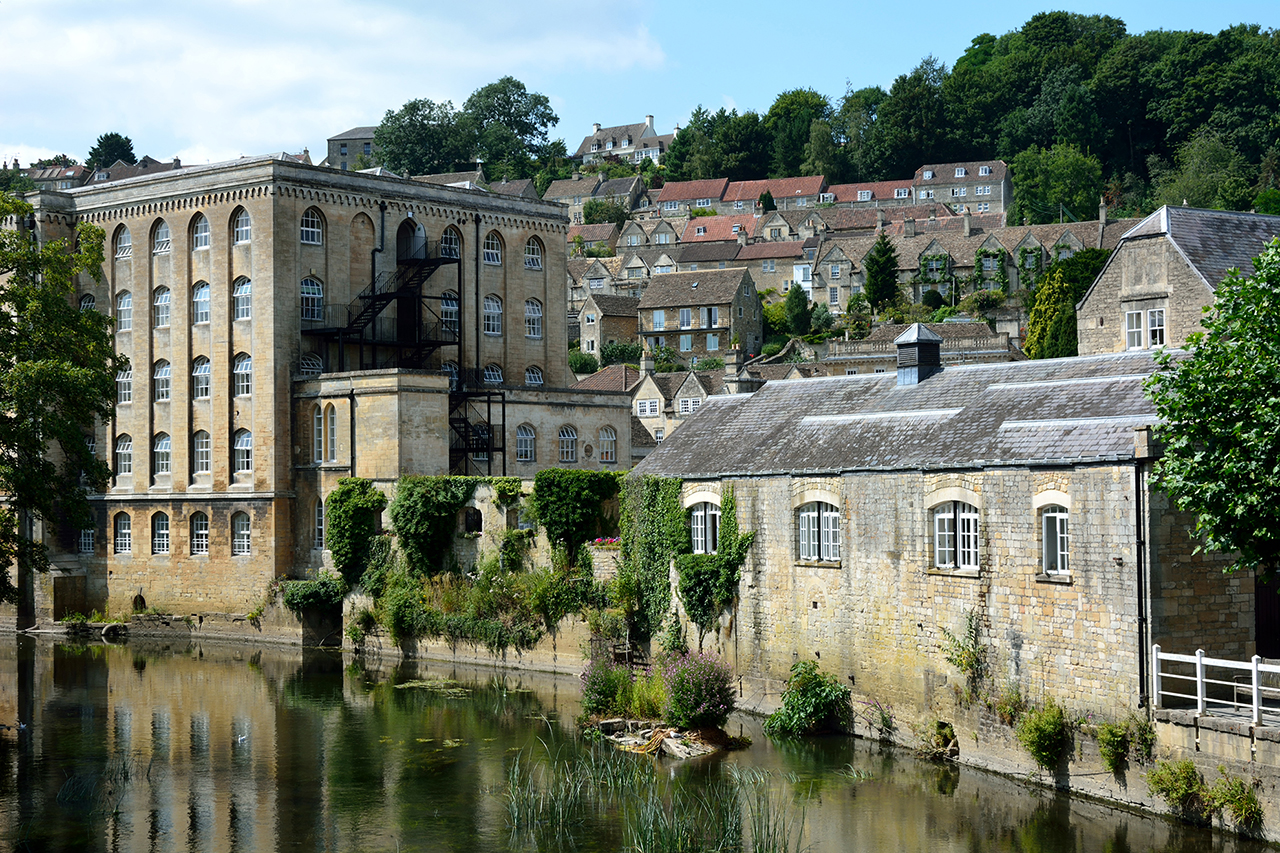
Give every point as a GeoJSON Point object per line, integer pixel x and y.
{"type": "Point", "coordinates": [909, 227]}
{"type": "Point", "coordinates": [177, 164]}
{"type": "Point", "coordinates": [919, 354]}
{"type": "Point", "coordinates": [732, 367]}
{"type": "Point", "coordinates": [742, 236]}
{"type": "Point", "coordinates": [648, 122]}
{"type": "Point", "coordinates": [646, 362]}
{"type": "Point", "coordinates": [879, 219]}
{"type": "Point", "coordinates": [595, 128]}
{"type": "Point", "coordinates": [1102, 220]}
{"type": "Point", "coordinates": [968, 221]}
{"type": "Point", "coordinates": [577, 176]}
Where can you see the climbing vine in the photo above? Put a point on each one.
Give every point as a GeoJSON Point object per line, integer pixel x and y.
{"type": "Point", "coordinates": [709, 582]}
{"type": "Point", "coordinates": [570, 505]}
{"type": "Point", "coordinates": [652, 532]}
{"type": "Point", "coordinates": [1001, 276]}
{"type": "Point", "coordinates": [425, 516]}
{"type": "Point", "coordinates": [351, 520]}
{"type": "Point", "coordinates": [1029, 273]}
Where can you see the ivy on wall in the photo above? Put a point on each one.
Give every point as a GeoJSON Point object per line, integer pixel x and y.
{"type": "Point", "coordinates": [1001, 276]}
{"type": "Point", "coordinates": [425, 517]}
{"type": "Point", "coordinates": [652, 532]}
{"type": "Point", "coordinates": [570, 505]}
{"type": "Point", "coordinates": [351, 520]}
{"type": "Point", "coordinates": [709, 582]}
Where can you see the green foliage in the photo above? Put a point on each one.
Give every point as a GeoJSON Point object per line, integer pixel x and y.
{"type": "Point", "coordinates": [713, 363]}
{"type": "Point", "coordinates": [351, 520]}
{"type": "Point", "coordinates": [424, 514]}
{"type": "Point", "coordinates": [57, 378]}
{"type": "Point", "coordinates": [1051, 330]}
{"type": "Point", "coordinates": [789, 122]}
{"type": "Point", "coordinates": [966, 652]}
{"type": "Point", "coordinates": [672, 641]}
{"type": "Point", "coordinates": [1179, 784]}
{"type": "Point", "coordinates": [1209, 173]}
{"type": "Point", "coordinates": [15, 181]}
{"type": "Point", "coordinates": [1079, 271]}
{"type": "Point", "coordinates": [798, 312]}
{"type": "Point", "coordinates": [770, 350]}
{"type": "Point", "coordinates": [700, 691]}
{"type": "Point", "coordinates": [110, 148]}
{"type": "Point", "coordinates": [325, 593]}
{"type": "Point", "coordinates": [1142, 737]}
{"type": "Point", "coordinates": [1113, 744]}
{"type": "Point", "coordinates": [821, 319]}
{"type": "Point", "coordinates": [653, 531]}
{"type": "Point", "coordinates": [931, 299]}
{"type": "Point", "coordinates": [620, 352]}
{"type": "Point", "coordinates": [697, 212]}
{"type": "Point", "coordinates": [775, 319]}
{"type": "Point", "coordinates": [1219, 418]}
{"type": "Point", "coordinates": [598, 211]}
{"type": "Point", "coordinates": [1236, 798]}
{"type": "Point", "coordinates": [980, 303]}
{"type": "Point", "coordinates": [582, 362]}
{"type": "Point", "coordinates": [605, 687]}
{"type": "Point", "coordinates": [1268, 202]}
{"type": "Point", "coordinates": [1049, 183]}
{"type": "Point", "coordinates": [766, 202]}
{"type": "Point", "coordinates": [570, 505]}
{"type": "Point", "coordinates": [882, 274]}
{"type": "Point", "coordinates": [709, 582]}
{"type": "Point", "coordinates": [1009, 705]}
{"type": "Point", "coordinates": [813, 702]}
{"type": "Point", "coordinates": [1044, 733]}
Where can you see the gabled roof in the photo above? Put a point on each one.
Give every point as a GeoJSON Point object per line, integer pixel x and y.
{"type": "Point", "coordinates": [693, 190]}
{"type": "Point", "coordinates": [1050, 411]}
{"type": "Point", "coordinates": [615, 377]}
{"type": "Point", "coordinates": [120, 170]}
{"type": "Point", "coordinates": [944, 331]}
{"type": "Point", "coordinates": [1212, 241]}
{"type": "Point", "coordinates": [615, 306]}
{"type": "Point", "coordinates": [944, 173]}
{"type": "Point", "coordinates": [604, 232]}
{"type": "Point", "coordinates": [355, 133]}
{"type": "Point", "coordinates": [520, 187]}
{"type": "Point", "coordinates": [718, 227]}
{"type": "Point", "coordinates": [640, 436]}
{"type": "Point", "coordinates": [880, 190]}
{"type": "Point", "coordinates": [772, 249]}
{"type": "Point", "coordinates": [584, 186]}
{"type": "Point", "coordinates": [617, 134]}
{"type": "Point", "coordinates": [693, 253]}
{"type": "Point", "coordinates": [867, 218]}
{"type": "Point", "coordinates": [703, 287]}
{"type": "Point", "coordinates": [616, 186]}
{"type": "Point", "coordinates": [751, 191]}
{"type": "Point", "coordinates": [468, 179]}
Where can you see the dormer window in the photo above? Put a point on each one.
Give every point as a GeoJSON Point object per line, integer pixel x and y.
{"type": "Point", "coordinates": [901, 192]}
{"type": "Point", "coordinates": [984, 170]}
{"type": "Point", "coordinates": [700, 230]}
{"type": "Point", "coordinates": [960, 172]}
{"type": "Point", "coordinates": [928, 174]}
{"type": "Point", "coordinates": [609, 144]}
{"type": "Point", "coordinates": [737, 228]}
{"type": "Point", "coordinates": [864, 195]}
{"type": "Point", "coordinates": [827, 198]}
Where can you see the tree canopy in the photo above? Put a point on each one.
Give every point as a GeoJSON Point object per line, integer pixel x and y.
{"type": "Point", "coordinates": [1219, 408]}
{"type": "Point", "coordinates": [598, 211]}
{"type": "Point", "coordinates": [882, 273]}
{"type": "Point", "coordinates": [109, 148]}
{"type": "Point", "coordinates": [57, 377]}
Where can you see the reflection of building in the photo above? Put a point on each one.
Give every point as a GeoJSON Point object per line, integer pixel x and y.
{"type": "Point", "coordinates": [290, 325]}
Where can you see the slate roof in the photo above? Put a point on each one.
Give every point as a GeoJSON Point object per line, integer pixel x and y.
{"type": "Point", "coordinates": [702, 287]}
{"type": "Point", "coordinates": [945, 173]}
{"type": "Point", "coordinates": [867, 218]}
{"type": "Point", "coordinates": [890, 331]}
{"type": "Point", "coordinates": [449, 179]}
{"type": "Point", "coordinates": [640, 436]}
{"type": "Point", "coordinates": [1212, 241]}
{"type": "Point", "coordinates": [119, 170]}
{"type": "Point", "coordinates": [1049, 411]}
{"type": "Point", "coordinates": [615, 377]}
{"type": "Point", "coordinates": [604, 232]}
{"type": "Point", "coordinates": [616, 306]}
{"type": "Point", "coordinates": [695, 253]}
{"type": "Point", "coordinates": [520, 186]}
{"type": "Point", "coordinates": [712, 188]}
{"type": "Point", "coordinates": [356, 133]}
{"type": "Point", "coordinates": [584, 186]}
{"type": "Point", "coordinates": [772, 249]}
{"type": "Point", "coordinates": [617, 186]}
{"type": "Point", "coordinates": [617, 134]}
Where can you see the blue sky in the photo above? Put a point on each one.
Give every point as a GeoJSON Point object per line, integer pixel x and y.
{"type": "Point", "coordinates": [211, 81]}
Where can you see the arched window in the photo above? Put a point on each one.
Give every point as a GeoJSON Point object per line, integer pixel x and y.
{"type": "Point", "coordinates": [88, 302]}
{"type": "Point", "coordinates": [124, 455]}
{"type": "Point", "coordinates": [124, 244]}
{"type": "Point", "coordinates": [533, 375]}
{"type": "Point", "coordinates": [200, 232]}
{"type": "Point", "coordinates": [312, 229]}
{"type": "Point", "coordinates": [324, 438]}
{"type": "Point", "coordinates": [493, 249]}
{"type": "Point", "coordinates": [449, 311]}
{"type": "Point", "coordinates": [492, 315]}
{"type": "Point", "coordinates": [526, 443]}
{"type": "Point", "coordinates": [492, 374]}
{"type": "Point", "coordinates": [243, 373]}
{"type": "Point", "coordinates": [242, 452]}
{"type": "Point", "coordinates": [318, 540]}
{"type": "Point", "coordinates": [1056, 543]}
{"type": "Point", "coordinates": [124, 311]}
{"type": "Point", "coordinates": [704, 528]}
{"type": "Point", "coordinates": [201, 453]}
{"type": "Point", "coordinates": [451, 370]}
{"type": "Point", "coordinates": [124, 386]}
{"type": "Point", "coordinates": [532, 318]}
{"type": "Point", "coordinates": [312, 300]}
{"type": "Point", "coordinates": [161, 454]}
{"type": "Point", "coordinates": [160, 307]}
{"type": "Point", "coordinates": [160, 381]}
{"type": "Point", "coordinates": [533, 254]}
{"type": "Point", "coordinates": [311, 365]}
{"type": "Point", "coordinates": [955, 536]}
{"type": "Point", "coordinates": [450, 244]}
{"type": "Point", "coordinates": [331, 432]}
{"type": "Point", "coordinates": [608, 445]}
{"type": "Point", "coordinates": [200, 379]}
{"type": "Point", "coordinates": [819, 531]}
{"type": "Point", "coordinates": [240, 543]}
{"type": "Point", "coordinates": [160, 533]}
{"type": "Point", "coordinates": [242, 231]}
{"type": "Point", "coordinates": [199, 533]}
{"type": "Point", "coordinates": [123, 529]}
{"type": "Point", "coordinates": [160, 243]}
{"type": "Point", "coordinates": [200, 303]}
{"type": "Point", "coordinates": [568, 444]}
{"type": "Point", "coordinates": [242, 297]}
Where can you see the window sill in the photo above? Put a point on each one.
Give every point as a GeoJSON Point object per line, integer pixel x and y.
{"type": "Point", "coordinates": [1062, 579]}
{"type": "Point", "coordinates": [954, 573]}
{"type": "Point", "coordinates": [819, 564]}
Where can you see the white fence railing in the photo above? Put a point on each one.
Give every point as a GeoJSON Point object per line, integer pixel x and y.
{"type": "Point", "coordinates": [1216, 682]}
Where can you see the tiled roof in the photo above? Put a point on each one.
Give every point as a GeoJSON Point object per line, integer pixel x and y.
{"type": "Point", "coordinates": [772, 249]}
{"type": "Point", "coordinates": [880, 190]}
{"type": "Point", "coordinates": [615, 377]}
{"type": "Point", "coordinates": [118, 171]}
{"type": "Point", "coordinates": [448, 179]}
{"type": "Point", "coordinates": [718, 227]}
{"type": "Point", "coordinates": [570, 188]}
{"type": "Point", "coordinates": [1048, 411]}
{"type": "Point", "coordinates": [945, 173]}
{"type": "Point", "coordinates": [751, 191]}
{"type": "Point", "coordinates": [617, 186]}
{"type": "Point", "coordinates": [356, 133]}
{"type": "Point", "coordinates": [693, 190]}
{"type": "Point", "coordinates": [604, 231]}
{"type": "Point", "coordinates": [866, 218]}
{"type": "Point", "coordinates": [616, 306]}
{"type": "Point", "coordinates": [693, 253]}
{"type": "Point", "coordinates": [712, 381]}
{"type": "Point", "coordinates": [703, 287]}
{"type": "Point", "coordinates": [669, 383]}
{"type": "Point", "coordinates": [640, 436]}
{"type": "Point", "coordinates": [520, 187]}
{"type": "Point", "coordinates": [53, 173]}
{"type": "Point", "coordinates": [617, 134]}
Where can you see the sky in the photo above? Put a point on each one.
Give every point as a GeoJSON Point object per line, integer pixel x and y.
{"type": "Point", "coordinates": [211, 81]}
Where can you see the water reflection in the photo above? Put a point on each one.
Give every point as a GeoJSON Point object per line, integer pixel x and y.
{"type": "Point", "coordinates": [167, 747]}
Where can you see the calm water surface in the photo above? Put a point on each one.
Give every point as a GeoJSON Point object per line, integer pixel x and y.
{"type": "Point", "coordinates": [219, 748]}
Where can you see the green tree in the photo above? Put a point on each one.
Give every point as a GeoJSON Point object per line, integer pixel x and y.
{"type": "Point", "coordinates": [766, 202]}
{"type": "Point", "coordinates": [509, 124]}
{"type": "Point", "coordinates": [1268, 202]}
{"type": "Point", "coordinates": [1219, 419]}
{"type": "Point", "coordinates": [582, 362]}
{"type": "Point", "coordinates": [822, 156]}
{"type": "Point", "coordinates": [1051, 183]}
{"type": "Point", "coordinates": [109, 148]}
{"type": "Point", "coordinates": [57, 377]}
{"type": "Point", "coordinates": [598, 211]}
{"type": "Point", "coordinates": [621, 352]}
{"type": "Point", "coordinates": [910, 124]}
{"type": "Point", "coordinates": [62, 161]}
{"type": "Point", "coordinates": [424, 138]}
{"type": "Point", "coordinates": [882, 274]}
{"type": "Point", "coordinates": [789, 121]}
{"type": "Point", "coordinates": [1209, 173]}
{"type": "Point", "coordinates": [15, 181]}
{"type": "Point", "coordinates": [1051, 329]}
{"type": "Point", "coordinates": [851, 124]}
{"type": "Point", "coordinates": [799, 314]}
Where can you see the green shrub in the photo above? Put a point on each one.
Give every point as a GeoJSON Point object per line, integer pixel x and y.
{"type": "Point", "coordinates": [1009, 705]}
{"type": "Point", "coordinates": [620, 352]}
{"type": "Point", "coordinates": [425, 517]}
{"type": "Point", "coordinates": [648, 696]}
{"type": "Point", "coordinates": [1043, 733]}
{"type": "Point", "coordinates": [569, 505]}
{"type": "Point", "coordinates": [326, 593]}
{"type": "Point", "coordinates": [1179, 784]}
{"type": "Point", "coordinates": [583, 362]}
{"type": "Point", "coordinates": [770, 350]}
{"type": "Point", "coordinates": [813, 702]}
{"type": "Point", "coordinates": [1237, 798]}
{"type": "Point", "coordinates": [931, 299]}
{"type": "Point", "coordinates": [74, 619]}
{"type": "Point", "coordinates": [606, 687]}
{"type": "Point", "coordinates": [1142, 736]}
{"type": "Point", "coordinates": [700, 691]}
{"type": "Point", "coordinates": [1113, 743]}
{"type": "Point", "coordinates": [966, 653]}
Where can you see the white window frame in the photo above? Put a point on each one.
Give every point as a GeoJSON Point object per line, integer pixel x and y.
{"type": "Point", "coordinates": [243, 229]}
{"type": "Point", "coordinates": [449, 311]}
{"type": "Point", "coordinates": [493, 374]}
{"type": "Point", "coordinates": [242, 374]}
{"type": "Point", "coordinates": [317, 540]}
{"type": "Point", "coordinates": [124, 311]}
{"type": "Point", "coordinates": [659, 320]}
{"type": "Point", "coordinates": [1055, 540]}
{"type": "Point", "coordinates": [86, 543]}
{"type": "Point", "coordinates": [703, 202]}
{"type": "Point", "coordinates": [492, 315]}
{"type": "Point", "coordinates": [241, 535]}
{"type": "Point", "coordinates": [984, 171]}
{"type": "Point", "coordinates": [532, 319]}
{"type": "Point", "coordinates": [200, 232]}
{"type": "Point", "coordinates": [312, 228]}
{"type": "Point", "coordinates": [122, 527]}
{"type": "Point", "coordinates": [526, 443]}
{"type": "Point", "coordinates": [201, 370]}
{"type": "Point", "coordinates": [533, 375]}
{"type": "Point", "coordinates": [686, 343]}
{"type": "Point", "coordinates": [493, 249]}
{"type": "Point", "coordinates": [532, 254]}
{"type": "Point", "coordinates": [864, 195]}
{"type": "Point", "coordinates": [1133, 329]}
{"type": "Point", "coordinates": [202, 453]}
{"type": "Point", "coordinates": [242, 299]}
{"type": "Point", "coordinates": [647, 408]}
{"type": "Point", "coordinates": [955, 536]}
{"type": "Point", "coordinates": [568, 444]}
{"type": "Point", "coordinates": [312, 294]}
{"type": "Point", "coordinates": [704, 527]}
{"type": "Point", "coordinates": [160, 533]}
{"type": "Point", "coordinates": [450, 244]}
{"type": "Point", "coordinates": [608, 444]}
{"type": "Point", "coordinates": [200, 299]}
{"type": "Point", "coordinates": [124, 385]}
{"type": "Point", "coordinates": [161, 381]}
{"type": "Point", "coordinates": [242, 452]}
{"type": "Point", "coordinates": [162, 454]}
{"type": "Point", "coordinates": [960, 171]}
{"type": "Point", "coordinates": [818, 532]}
{"type": "Point", "coordinates": [199, 533]}
{"type": "Point", "coordinates": [161, 243]}
{"type": "Point", "coordinates": [1155, 327]}
{"type": "Point", "coordinates": [686, 318]}
{"type": "Point", "coordinates": [124, 245]}
{"type": "Point", "coordinates": [901, 192]}
{"type": "Point", "coordinates": [124, 455]}
{"type": "Point", "coordinates": [713, 342]}
{"type": "Point", "coordinates": [160, 301]}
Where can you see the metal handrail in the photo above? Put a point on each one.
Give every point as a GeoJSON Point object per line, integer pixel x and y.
{"type": "Point", "coordinates": [1254, 667]}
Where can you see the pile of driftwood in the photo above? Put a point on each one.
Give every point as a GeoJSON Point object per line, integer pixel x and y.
{"type": "Point", "coordinates": [649, 738]}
